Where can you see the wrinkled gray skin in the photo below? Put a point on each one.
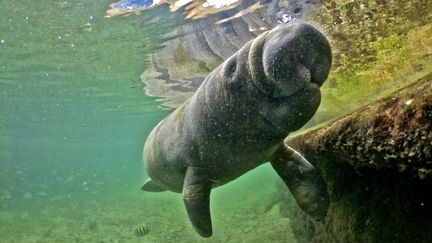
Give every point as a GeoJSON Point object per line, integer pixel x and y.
{"type": "Point", "coordinates": [238, 120]}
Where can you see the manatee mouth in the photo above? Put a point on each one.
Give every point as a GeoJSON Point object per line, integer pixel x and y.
{"type": "Point", "coordinates": [289, 59]}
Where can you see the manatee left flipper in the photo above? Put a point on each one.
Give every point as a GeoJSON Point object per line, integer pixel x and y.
{"type": "Point", "coordinates": [150, 186]}
{"type": "Point", "coordinates": [196, 196]}
{"type": "Point", "coordinates": [304, 181]}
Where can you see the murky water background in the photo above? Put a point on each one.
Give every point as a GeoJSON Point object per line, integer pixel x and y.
{"type": "Point", "coordinates": [68, 113]}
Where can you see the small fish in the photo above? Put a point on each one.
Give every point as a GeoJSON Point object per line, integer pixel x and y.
{"type": "Point", "coordinates": [142, 230]}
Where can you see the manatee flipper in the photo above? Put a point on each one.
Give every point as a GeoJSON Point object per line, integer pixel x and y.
{"type": "Point", "coordinates": [196, 196]}
{"type": "Point", "coordinates": [304, 181]}
{"type": "Point", "coordinates": [150, 186]}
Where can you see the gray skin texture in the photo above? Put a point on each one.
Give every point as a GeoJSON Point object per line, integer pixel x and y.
{"type": "Point", "coordinates": [238, 120]}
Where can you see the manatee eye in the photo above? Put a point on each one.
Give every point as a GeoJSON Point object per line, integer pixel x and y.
{"type": "Point", "coordinates": [297, 10]}
{"type": "Point", "coordinates": [233, 83]}
{"type": "Point", "coordinates": [231, 67]}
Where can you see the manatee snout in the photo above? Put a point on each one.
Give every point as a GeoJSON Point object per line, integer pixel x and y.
{"type": "Point", "coordinates": [294, 56]}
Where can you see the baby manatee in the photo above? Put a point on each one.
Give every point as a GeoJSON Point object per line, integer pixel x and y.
{"type": "Point", "coordinates": [238, 119]}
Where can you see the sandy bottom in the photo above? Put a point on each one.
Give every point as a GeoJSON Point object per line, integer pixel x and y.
{"type": "Point", "coordinates": [238, 210]}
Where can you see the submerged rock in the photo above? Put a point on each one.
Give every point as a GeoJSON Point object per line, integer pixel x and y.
{"type": "Point", "coordinates": [377, 163]}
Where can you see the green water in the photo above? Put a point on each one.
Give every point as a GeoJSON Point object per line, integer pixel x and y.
{"type": "Point", "coordinates": [72, 131]}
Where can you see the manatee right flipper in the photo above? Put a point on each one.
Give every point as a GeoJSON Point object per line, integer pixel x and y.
{"type": "Point", "coordinates": [304, 181]}
{"type": "Point", "coordinates": [150, 186]}
{"type": "Point", "coordinates": [196, 196]}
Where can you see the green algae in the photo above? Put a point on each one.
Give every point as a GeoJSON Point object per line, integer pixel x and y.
{"type": "Point", "coordinates": [379, 47]}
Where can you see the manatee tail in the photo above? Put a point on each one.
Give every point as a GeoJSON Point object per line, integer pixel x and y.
{"type": "Point", "coordinates": [196, 196]}
{"type": "Point", "coordinates": [304, 181]}
{"type": "Point", "coordinates": [150, 186]}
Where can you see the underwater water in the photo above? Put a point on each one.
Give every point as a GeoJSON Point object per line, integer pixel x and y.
{"type": "Point", "coordinates": [75, 116]}
{"type": "Point", "coordinates": [72, 131]}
